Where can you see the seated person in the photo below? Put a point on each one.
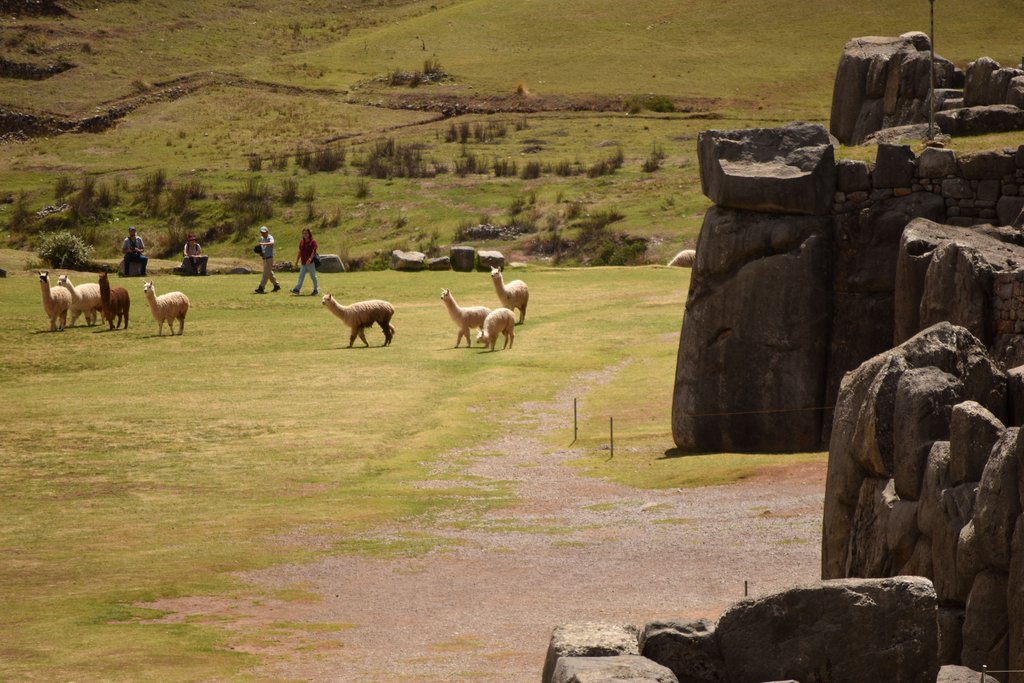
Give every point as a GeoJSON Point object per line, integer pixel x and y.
{"type": "Point", "coordinates": [193, 254]}
{"type": "Point", "coordinates": [133, 249]}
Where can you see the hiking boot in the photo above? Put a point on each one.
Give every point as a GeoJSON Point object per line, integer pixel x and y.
{"type": "Point", "coordinates": [277, 288]}
{"type": "Point", "coordinates": [259, 290]}
{"type": "Point", "coordinates": [315, 293]}
{"type": "Point", "coordinates": [295, 291]}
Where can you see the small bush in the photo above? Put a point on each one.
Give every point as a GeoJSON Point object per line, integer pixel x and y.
{"type": "Point", "coordinates": [655, 103]}
{"type": "Point", "coordinates": [63, 187]}
{"type": "Point", "coordinates": [653, 161]}
{"type": "Point", "coordinates": [469, 163]}
{"type": "Point", "coordinates": [504, 168]}
{"type": "Point", "coordinates": [531, 171]}
{"type": "Point", "coordinates": [65, 250]}
{"type": "Point", "coordinates": [149, 191]}
{"type": "Point", "coordinates": [566, 169]}
{"type": "Point", "coordinates": [251, 204]}
{"type": "Point", "coordinates": [606, 166]}
{"type": "Point", "coordinates": [362, 190]}
{"type": "Point", "coordinates": [255, 163]}
{"type": "Point", "coordinates": [21, 215]}
{"type": "Point", "coordinates": [325, 159]}
{"type": "Point", "coordinates": [389, 159]}
{"type": "Point", "coordinates": [289, 190]}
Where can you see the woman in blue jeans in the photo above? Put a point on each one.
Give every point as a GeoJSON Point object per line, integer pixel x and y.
{"type": "Point", "coordinates": [307, 250]}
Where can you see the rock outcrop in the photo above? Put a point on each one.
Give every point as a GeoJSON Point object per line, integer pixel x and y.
{"type": "Point", "coordinates": [782, 305]}
{"type": "Point", "coordinates": [925, 477]}
{"type": "Point", "coordinates": [882, 82]}
{"type": "Point", "coordinates": [846, 631]}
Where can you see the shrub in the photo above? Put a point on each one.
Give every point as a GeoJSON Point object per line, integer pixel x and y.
{"type": "Point", "coordinates": [65, 250]}
{"type": "Point", "coordinates": [63, 187]}
{"type": "Point", "coordinates": [251, 204]}
{"type": "Point", "coordinates": [255, 163]}
{"type": "Point", "coordinates": [531, 171]}
{"type": "Point", "coordinates": [566, 168]}
{"type": "Point", "coordinates": [655, 103]}
{"type": "Point", "coordinates": [91, 201]}
{"type": "Point", "coordinates": [653, 161]}
{"type": "Point", "coordinates": [362, 188]}
{"type": "Point", "coordinates": [504, 168]}
{"type": "Point", "coordinates": [606, 166]}
{"type": "Point", "coordinates": [469, 163]}
{"type": "Point", "coordinates": [21, 215]}
{"type": "Point", "coordinates": [325, 159]}
{"type": "Point", "coordinates": [389, 159]}
{"type": "Point", "coordinates": [289, 190]}
{"type": "Point", "coordinates": [149, 191]}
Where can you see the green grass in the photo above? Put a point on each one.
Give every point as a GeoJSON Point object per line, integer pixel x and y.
{"type": "Point", "coordinates": [276, 76]}
{"type": "Point", "coordinates": [136, 467]}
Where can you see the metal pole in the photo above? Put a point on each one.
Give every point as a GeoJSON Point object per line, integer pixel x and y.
{"type": "Point", "coordinates": [611, 435]}
{"type": "Point", "coordinates": [931, 73]}
{"type": "Point", "coordinates": [745, 589]}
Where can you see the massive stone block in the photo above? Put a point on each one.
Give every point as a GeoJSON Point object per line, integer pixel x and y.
{"type": "Point", "coordinates": [838, 631]}
{"type": "Point", "coordinates": [967, 277]}
{"type": "Point", "coordinates": [750, 373]}
{"type": "Point", "coordinates": [992, 118]}
{"type": "Point", "coordinates": [882, 82]}
{"type": "Point", "coordinates": [869, 446]}
{"type": "Point", "coordinates": [777, 170]}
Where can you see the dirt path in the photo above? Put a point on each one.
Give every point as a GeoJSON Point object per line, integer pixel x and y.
{"type": "Point", "coordinates": [571, 549]}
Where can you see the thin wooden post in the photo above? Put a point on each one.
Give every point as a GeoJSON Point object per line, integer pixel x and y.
{"type": "Point", "coordinates": [575, 421]}
{"type": "Point", "coordinates": [611, 435]}
{"type": "Point", "coordinates": [745, 588]}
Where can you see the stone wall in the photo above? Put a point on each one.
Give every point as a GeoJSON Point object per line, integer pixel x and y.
{"type": "Point", "coordinates": [924, 478]}
{"type": "Point", "coordinates": [794, 282]}
{"type": "Point", "coordinates": [884, 82]}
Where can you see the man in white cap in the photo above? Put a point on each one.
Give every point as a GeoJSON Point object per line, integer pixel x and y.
{"type": "Point", "coordinates": [132, 247]}
{"type": "Point", "coordinates": [266, 247]}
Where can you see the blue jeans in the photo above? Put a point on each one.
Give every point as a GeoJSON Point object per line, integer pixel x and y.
{"type": "Point", "coordinates": [307, 268]}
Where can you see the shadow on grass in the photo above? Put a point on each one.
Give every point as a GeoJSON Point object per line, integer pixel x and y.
{"type": "Point", "coordinates": [677, 452]}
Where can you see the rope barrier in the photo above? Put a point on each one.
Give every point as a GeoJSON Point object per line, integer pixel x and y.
{"type": "Point", "coordinates": [764, 411]}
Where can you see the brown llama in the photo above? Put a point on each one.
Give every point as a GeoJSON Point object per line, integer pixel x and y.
{"type": "Point", "coordinates": [115, 302]}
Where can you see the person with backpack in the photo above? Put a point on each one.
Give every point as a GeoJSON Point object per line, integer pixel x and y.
{"type": "Point", "coordinates": [307, 259]}
{"type": "Point", "coordinates": [265, 247]}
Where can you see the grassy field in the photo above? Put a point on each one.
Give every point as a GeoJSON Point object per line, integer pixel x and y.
{"type": "Point", "coordinates": [135, 467]}
{"type": "Point", "coordinates": [265, 79]}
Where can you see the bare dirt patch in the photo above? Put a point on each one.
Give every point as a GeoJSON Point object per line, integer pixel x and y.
{"type": "Point", "coordinates": [569, 548]}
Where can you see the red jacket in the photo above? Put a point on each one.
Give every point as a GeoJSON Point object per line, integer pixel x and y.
{"type": "Point", "coordinates": [306, 251]}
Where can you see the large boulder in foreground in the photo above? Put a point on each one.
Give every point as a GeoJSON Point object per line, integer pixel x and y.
{"type": "Point", "coordinates": [777, 170]}
{"type": "Point", "coordinates": [848, 631]}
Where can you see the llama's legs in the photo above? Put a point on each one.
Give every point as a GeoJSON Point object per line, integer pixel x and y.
{"type": "Point", "coordinates": [362, 337]}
